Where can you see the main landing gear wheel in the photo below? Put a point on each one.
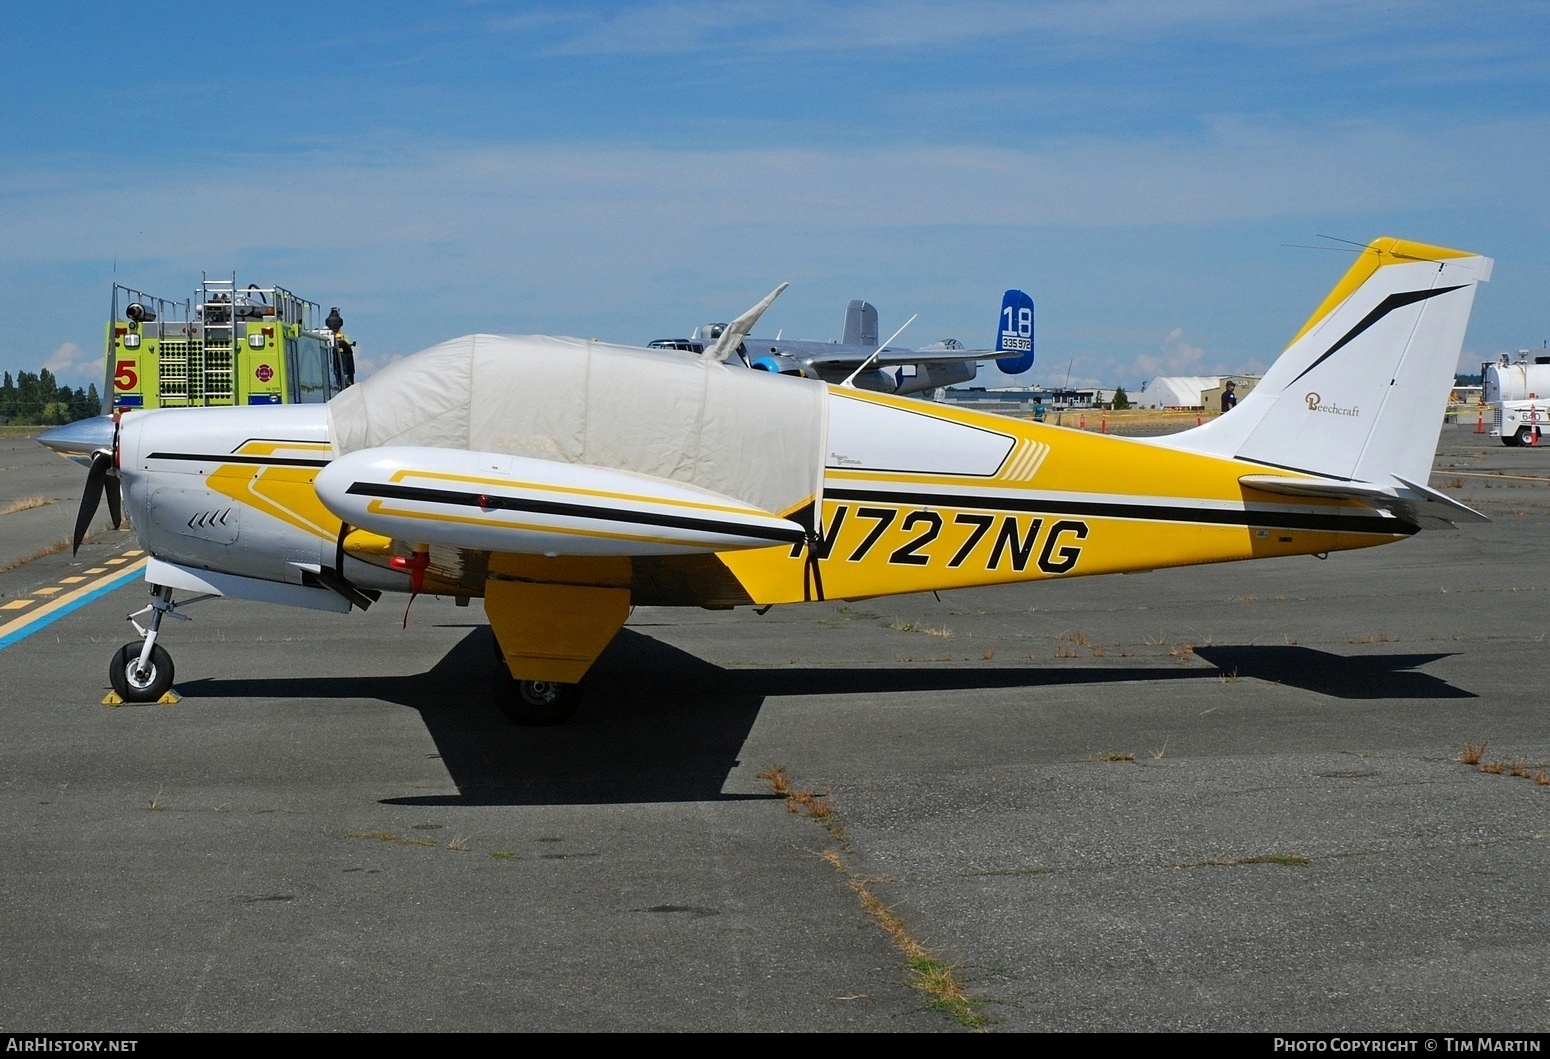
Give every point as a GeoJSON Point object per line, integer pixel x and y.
{"type": "Point", "coordinates": [134, 684]}
{"type": "Point", "coordinates": [541, 702]}
{"type": "Point", "coordinates": [533, 703]}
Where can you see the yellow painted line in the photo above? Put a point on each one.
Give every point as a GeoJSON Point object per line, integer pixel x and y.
{"type": "Point", "coordinates": [117, 562]}
{"type": "Point", "coordinates": [71, 580]}
{"type": "Point", "coordinates": [376, 507]}
{"type": "Point", "coordinates": [1491, 474]}
{"type": "Point", "coordinates": [96, 570]}
{"type": "Point", "coordinates": [133, 552]}
{"type": "Point", "coordinates": [55, 609]}
{"type": "Point", "coordinates": [51, 590]}
{"type": "Point", "coordinates": [270, 448]}
{"type": "Point", "coordinates": [17, 604]}
{"type": "Point", "coordinates": [437, 476]}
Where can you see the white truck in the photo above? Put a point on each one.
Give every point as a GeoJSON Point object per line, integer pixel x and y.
{"type": "Point", "coordinates": [1516, 391]}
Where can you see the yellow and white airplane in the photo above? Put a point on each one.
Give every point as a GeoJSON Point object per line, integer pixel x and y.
{"type": "Point", "coordinates": [564, 481]}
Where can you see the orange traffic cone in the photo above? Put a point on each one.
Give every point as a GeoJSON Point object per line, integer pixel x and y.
{"type": "Point", "coordinates": [1103, 424]}
{"type": "Point", "coordinates": [1480, 425]}
{"type": "Point", "coordinates": [1082, 423]}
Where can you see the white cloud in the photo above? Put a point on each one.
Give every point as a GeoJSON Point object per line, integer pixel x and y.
{"type": "Point", "coordinates": [1176, 357]}
{"type": "Point", "coordinates": [366, 364]}
{"type": "Point", "coordinates": [75, 367]}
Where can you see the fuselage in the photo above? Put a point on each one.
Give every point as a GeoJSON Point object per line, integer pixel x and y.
{"type": "Point", "coordinates": [913, 498]}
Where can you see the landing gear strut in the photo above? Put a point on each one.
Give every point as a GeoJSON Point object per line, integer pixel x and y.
{"type": "Point", "coordinates": [142, 672]}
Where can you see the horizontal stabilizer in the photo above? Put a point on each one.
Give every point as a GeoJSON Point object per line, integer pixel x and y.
{"type": "Point", "coordinates": [1447, 509]}
{"type": "Point", "coordinates": [1417, 503]}
{"type": "Point", "coordinates": [1324, 488]}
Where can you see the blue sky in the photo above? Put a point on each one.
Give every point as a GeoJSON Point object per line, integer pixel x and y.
{"type": "Point", "coordinates": [1149, 170]}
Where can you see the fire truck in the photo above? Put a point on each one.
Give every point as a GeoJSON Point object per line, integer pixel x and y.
{"type": "Point", "coordinates": [228, 345]}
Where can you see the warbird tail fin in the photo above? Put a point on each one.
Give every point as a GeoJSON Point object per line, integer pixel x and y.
{"type": "Point", "coordinates": [1360, 392]}
{"type": "Point", "coordinates": [1014, 333]}
{"type": "Point", "coordinates": [860, 324]}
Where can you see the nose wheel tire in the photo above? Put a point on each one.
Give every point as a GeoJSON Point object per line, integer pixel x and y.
{"type": "Point", "coordinates": [134, 684]}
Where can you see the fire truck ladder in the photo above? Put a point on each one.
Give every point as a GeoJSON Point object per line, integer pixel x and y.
{"type": "Point", "coordinates": [210, 379]}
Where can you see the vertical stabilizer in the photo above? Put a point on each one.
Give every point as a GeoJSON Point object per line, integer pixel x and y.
{"type": "Point", "coordinates": [1361, 391]}
{"type": "Point", "coordinates": [860, 325]}
{"type": "Point", "coordinates": [1014, 333]}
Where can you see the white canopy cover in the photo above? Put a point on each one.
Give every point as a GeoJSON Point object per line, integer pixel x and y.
{"type": "Point", "coordinates": [749, 435]}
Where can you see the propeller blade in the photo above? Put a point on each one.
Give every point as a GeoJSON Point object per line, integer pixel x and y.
{"type": "Point", "coordinates": [96, 479]}
{"type": "Point", "coordinates": [115, 500]}
{"type": "Point", "coordinates": [115, 490]}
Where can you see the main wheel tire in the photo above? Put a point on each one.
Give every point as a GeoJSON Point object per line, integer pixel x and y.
{"type": "Point", "coordinates": [541, 702]}
{"type": "Point", "coordinates": [133, 685]}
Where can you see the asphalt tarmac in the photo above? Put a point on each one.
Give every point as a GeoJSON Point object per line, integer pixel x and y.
{"type": "Point", "coordinates": [1225, 798]}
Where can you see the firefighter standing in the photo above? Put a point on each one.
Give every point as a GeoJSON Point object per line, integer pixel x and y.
{"type": "Point", "coordinates": [344, 351]}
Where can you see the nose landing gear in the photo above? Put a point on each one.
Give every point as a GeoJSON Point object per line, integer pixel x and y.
{"type": "Point", "coordinates": [142, 671]}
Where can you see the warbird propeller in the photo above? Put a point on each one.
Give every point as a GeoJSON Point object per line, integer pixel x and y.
{"type": "Point", "coordinates": [564, 481]}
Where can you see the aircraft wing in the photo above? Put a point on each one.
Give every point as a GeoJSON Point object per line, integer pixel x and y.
{"type": "Point", "coordinates": [495, 502]}
{"type": "Point", "coordinates": [949, 351]}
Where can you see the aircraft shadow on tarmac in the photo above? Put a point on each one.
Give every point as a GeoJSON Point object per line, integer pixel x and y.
{"type": "Point", "coordinates": [1383, 676]}
{"type": "Point", "coordinates": [660, 725]}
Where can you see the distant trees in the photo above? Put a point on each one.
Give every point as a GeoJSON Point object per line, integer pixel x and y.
{"type": "Point", "coordinates": [1121, 398]}
{"type": "Point", "coordinates": [40, 400]}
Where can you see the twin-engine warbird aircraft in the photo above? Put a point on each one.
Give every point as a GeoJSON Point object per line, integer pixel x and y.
{"type": "Point", "coordinates": [858, 360]}
{"type": "Point", "coordinates": [564, 481]}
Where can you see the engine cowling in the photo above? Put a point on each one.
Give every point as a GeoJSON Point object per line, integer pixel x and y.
{"type": "Point", "coordinates": [780, 365]}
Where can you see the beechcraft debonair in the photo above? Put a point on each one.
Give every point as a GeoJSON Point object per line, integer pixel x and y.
{"type": "Point", "coordinates": [564, 481]}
